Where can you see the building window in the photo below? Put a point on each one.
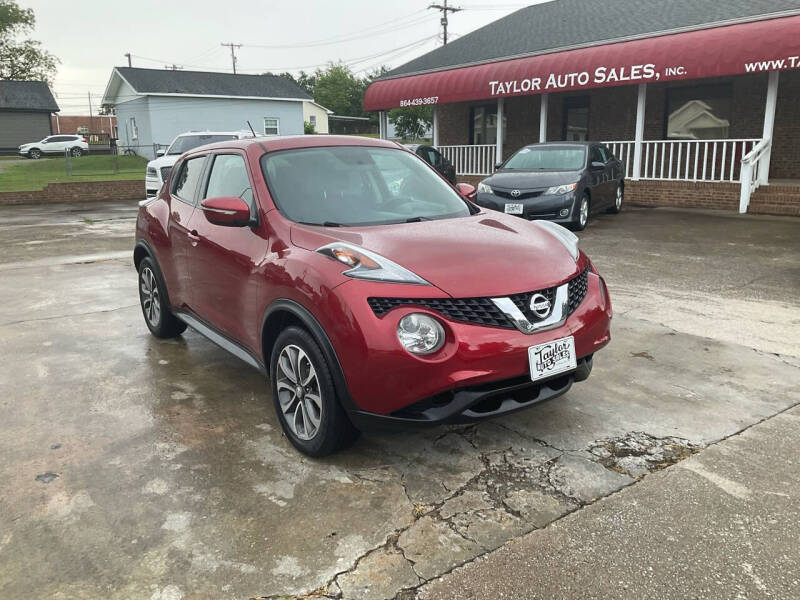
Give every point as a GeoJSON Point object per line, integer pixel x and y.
{"type": "Point", "coordinates": [271, 126]}
{"type": "Point", "coordinates": [134, 129]}
{"type": "Point", "coordinates": [83, 130]}
{"type": "Point", "coordinates": [576, 119]}
{"type": "Point", "coordinates": [483, 124]}
{"type": "Point", "coordinates": [313, 120]}
{"type": "Point", "coordinates": [699, 112]}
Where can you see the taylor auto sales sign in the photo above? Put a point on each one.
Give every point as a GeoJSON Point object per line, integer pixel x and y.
{"type": "Point", "coordinates": [758, 46]}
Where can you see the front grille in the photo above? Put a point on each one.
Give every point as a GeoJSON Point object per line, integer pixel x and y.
{"type": "Point", "coordinates": [522, 196]}
{"type": "Point", "coordinates": [165, 173]}
{"type": "Point", "coordinates": [577, 290]}
{"type": "Point", "coordinates": [482, 311]}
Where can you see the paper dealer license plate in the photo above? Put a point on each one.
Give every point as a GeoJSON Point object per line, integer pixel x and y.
{"type": "Point", "coordinates": [552, 358]}
{"type": "Point", "coordinates": [513, 208]}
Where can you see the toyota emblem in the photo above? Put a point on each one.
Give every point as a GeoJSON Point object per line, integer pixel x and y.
{"type": "Point", "coordinates": [515, 193]}
{"type": "Point", "coordinates": [540, 306]}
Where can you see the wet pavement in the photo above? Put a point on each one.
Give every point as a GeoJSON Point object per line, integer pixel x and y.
{"type": "Point", "coordinates": [137, 468]}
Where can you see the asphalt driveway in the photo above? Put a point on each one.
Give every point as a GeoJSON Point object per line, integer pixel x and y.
{"type": "Point", "coordinates": [137, 468]}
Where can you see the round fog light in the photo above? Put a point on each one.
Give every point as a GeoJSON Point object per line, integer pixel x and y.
{"type": "Point", "coordinates": [563, 212]}
{"type": "Point", "coordinates": [420, 334]}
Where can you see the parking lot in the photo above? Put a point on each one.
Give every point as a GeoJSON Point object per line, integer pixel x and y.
{"type": "Point", "coordinates": [132, 467]}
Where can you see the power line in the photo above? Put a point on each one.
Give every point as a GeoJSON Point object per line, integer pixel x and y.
{"type": "Point", "coordinates": [444, 9]}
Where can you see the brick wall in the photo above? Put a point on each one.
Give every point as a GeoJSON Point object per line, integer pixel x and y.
{"type": "Point", "coordinates": [785, 161]}
{"type": "Point", "coordinates": [87, 191]}
{"type": "Point", "coordinates": [684, 194]}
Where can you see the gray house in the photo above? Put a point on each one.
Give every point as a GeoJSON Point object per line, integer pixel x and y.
{"type": "Point", "coordinates": [25, 109]}
{"type": "Point", "coordinates": [155, 105]}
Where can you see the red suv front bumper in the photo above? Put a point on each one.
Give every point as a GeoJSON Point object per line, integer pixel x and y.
{"type": "Point", "coordinates": [480, 371]}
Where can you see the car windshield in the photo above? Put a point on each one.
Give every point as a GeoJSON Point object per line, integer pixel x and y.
{"type": "Point", "coordinates": [548, 158]}
{"type": "Point", "coordinates": [189, 142]}
{"type": "Point", "coordinates": [357, 185]}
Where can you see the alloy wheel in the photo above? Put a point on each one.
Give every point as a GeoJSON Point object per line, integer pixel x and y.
{"type": "Point", "coordinates": [618, 201]}
{"type": "Point", "coordinates": [584, 215]}
{"type": "Point", "coordinates": [76, 152]}
{"type": "Point", "coordinates": [34, 154]}
{"type": "Point", "coordinates": [299, 393]}
{"type": "Point", "coordinates": [151, 301]}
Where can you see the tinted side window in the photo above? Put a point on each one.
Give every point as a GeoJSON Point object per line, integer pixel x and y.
{"type": "Point", "coordinates": [185, 184]}
{"type": "Point", "coordinates": [596, 155]}
{"type": "Point", "coordinates": [607, 156]}
{"type": "Point", "coordinates": [229, 178]}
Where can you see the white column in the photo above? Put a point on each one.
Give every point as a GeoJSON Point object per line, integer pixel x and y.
{"type": "Point", "coordinates": [435, 127]}
{"type": "Point", "coordinates": [500, 133]}
{"type": "Point", "coordinates": [769, 125]}
{"type": "Point", "coordinates": [382, 125]}
{"type": "Point", "coordinates": [543, 118]}
{"type": "Point", "coordinates": [637, 146]}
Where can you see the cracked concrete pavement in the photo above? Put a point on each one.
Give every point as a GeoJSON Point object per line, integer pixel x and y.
{"type": "Point", "coordinates": [162, 471]}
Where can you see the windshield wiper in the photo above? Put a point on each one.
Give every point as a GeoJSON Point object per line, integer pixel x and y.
{"type": "Point", "coordinates": [417, 219]}
{"type": "Point", "coordinates": [323, 224]}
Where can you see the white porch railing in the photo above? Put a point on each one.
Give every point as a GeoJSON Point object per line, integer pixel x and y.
{"type": "Point", "coordinates": [753, 174]}
{"type": "Point", "coordinates": [687, 160]}
{"type": "Point", "coordinates": [471, 159]}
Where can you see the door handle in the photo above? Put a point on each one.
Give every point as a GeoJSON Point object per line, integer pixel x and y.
{"type": "Point", "coordinates": [193, 237]}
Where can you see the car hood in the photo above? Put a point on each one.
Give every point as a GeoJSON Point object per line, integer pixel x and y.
{"type": "Point", "coordinates": [487, 254]}
{"type": "Point", "coordinates": [28, 145]}
{"type": "Point", "coordinates": [526, 180]}
{"type": "Point", "coordinates": [164, 161]}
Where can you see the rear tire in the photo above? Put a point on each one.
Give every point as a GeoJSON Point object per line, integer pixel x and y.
{"type": "Point", "coordinates": [35, 154]}
{"type": "Point", "coordinates": [153, 300]}
{"type": "Point", "coordinates": [76, 152]}
{"type": "Point", "coordinates": [618, 197]}
{"type": "Point", "coordinates": [304, 396]}
{"type": "Point", "coordinates": [583, 213]}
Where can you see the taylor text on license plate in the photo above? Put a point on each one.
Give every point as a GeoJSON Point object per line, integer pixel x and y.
{"type": "Point", "coordinates": [513, 208]}
{"type": "Point", "coordinates": [552, 358]}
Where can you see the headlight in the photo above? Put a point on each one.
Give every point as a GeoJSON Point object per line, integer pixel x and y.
{"type": "Point", "coordinates": [368, 265]}
{"type": "Point", "coordinates": [151, 172]}
{"type": "Point", "coordinates": [420, 334]}
{"type": "Point", "coordinates": [564, 235]}
{"type": "Point", "coordinates": [560, 189]}
{"type": "Point", "coordinates": [484, 189]}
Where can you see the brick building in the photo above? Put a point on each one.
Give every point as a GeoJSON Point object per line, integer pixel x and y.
{"type": "Point", "coordinates": [84, 124]}
{"type": "Point", "coordinates": [699, 99]}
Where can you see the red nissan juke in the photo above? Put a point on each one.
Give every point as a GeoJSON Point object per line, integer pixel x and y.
{"type": "Point", "coordinates": [368, 289]}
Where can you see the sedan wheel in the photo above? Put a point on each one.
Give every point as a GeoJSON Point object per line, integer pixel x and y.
{"type": "Point", "coordinates": [298, 392]}
{"type": "Point", "coordinates": [617, 200]}
{"type": "Point", "coordinates": [583, 213]}
{"type": "Point", "coordinates": [35, 154]}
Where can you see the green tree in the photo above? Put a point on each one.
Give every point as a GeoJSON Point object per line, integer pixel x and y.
{"type": "Point", "coordinates": [25, 59]}
{"type": "Point", "coordinates": [411, 123]}
{"type": "Point", "coordinates": [338, 89]}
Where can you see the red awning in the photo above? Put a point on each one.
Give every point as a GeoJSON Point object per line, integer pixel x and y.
{"type": "Point", "coordinates": [753, 47]}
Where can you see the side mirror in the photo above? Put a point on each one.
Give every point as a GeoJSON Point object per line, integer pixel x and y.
{"type": "Point", "coordinates": [498, 165]}
{"type": "Point", "coordinates": [466, 190]}
{"type": "Point", "coordinates": [597, 166]}
{"type": "Point", "coordinates": [161, 152]}
{"type": "Point", "coordinates": [227, 211]}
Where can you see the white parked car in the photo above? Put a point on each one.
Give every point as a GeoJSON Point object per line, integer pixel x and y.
{"type": "Point", "coordinates": [158, 169]}
{"type": "Point", "coordinates": [56, 144]}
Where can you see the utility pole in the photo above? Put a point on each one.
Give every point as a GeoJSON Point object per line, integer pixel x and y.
{"type": "Point", "coordinates": [233, 47]}
{"type": "Point", "coordinates": [444, 10]}
{"type": "Point", "coordinates": [128, 55]}
{"type": "Point", "coordinates": [90, 111]}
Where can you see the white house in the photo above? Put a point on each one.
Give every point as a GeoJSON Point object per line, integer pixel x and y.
{"type": "Point", "coordinates": [155, 105]}
{"type": "Point", "coordinates": [317, 115]}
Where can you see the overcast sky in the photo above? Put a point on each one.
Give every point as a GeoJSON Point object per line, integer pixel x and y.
{"type": "Point", "coordinates": [92, 36]}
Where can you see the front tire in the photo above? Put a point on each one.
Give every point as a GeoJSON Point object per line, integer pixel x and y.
{"type": "Point", "coordinates": [583, 213]}
{"type": "Point", "coordinates": [305, 397]}
{"type": "Point", "coordinates": [35, 154]}
{"type": "Point", "coordinates": [152, 298]}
